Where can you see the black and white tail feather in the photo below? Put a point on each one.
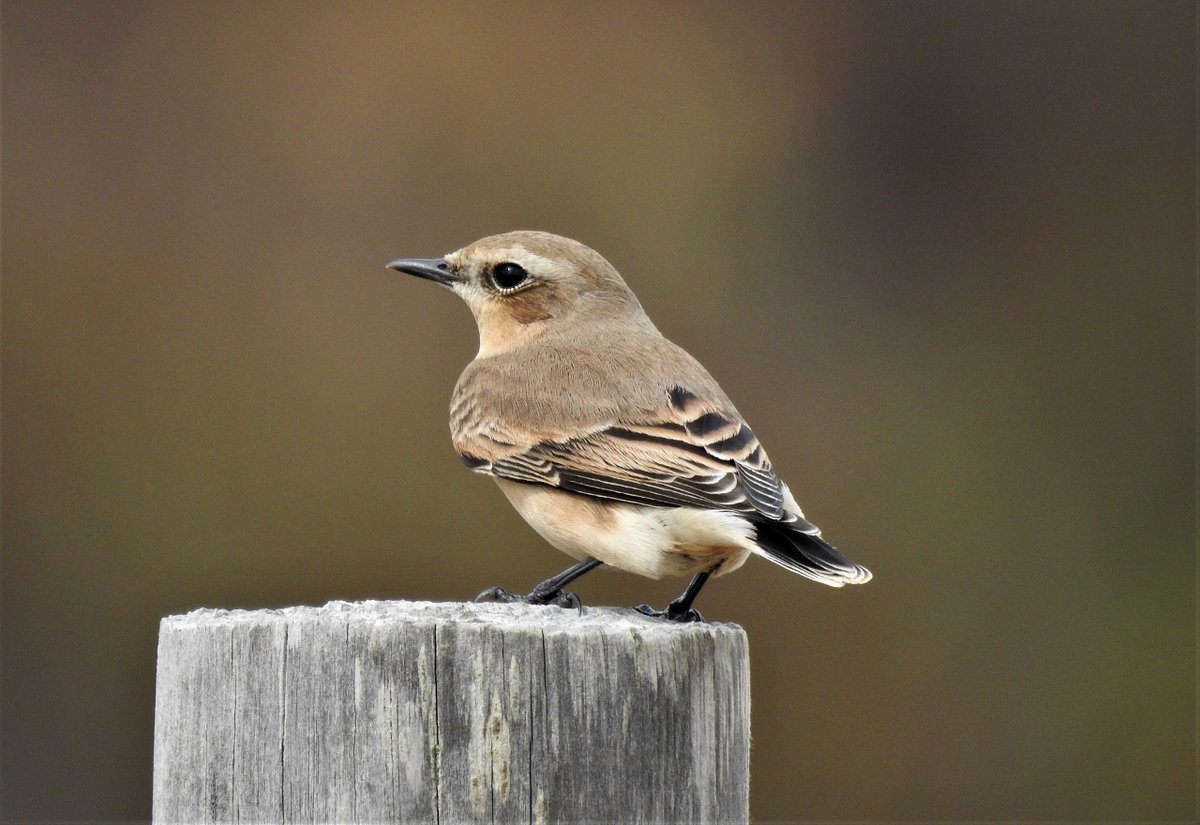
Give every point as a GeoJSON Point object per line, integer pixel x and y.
{"type": "Point", "coordinates": [808, 555]}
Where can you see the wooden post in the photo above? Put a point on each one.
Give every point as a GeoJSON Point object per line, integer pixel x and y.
{"type": "Point", "coordinates": [447, 712]}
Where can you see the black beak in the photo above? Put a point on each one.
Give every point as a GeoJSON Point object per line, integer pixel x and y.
{"type": "Point", "coordinates": [435, 269]}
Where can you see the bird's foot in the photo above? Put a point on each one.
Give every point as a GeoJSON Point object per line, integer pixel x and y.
{"type": "Point", "coordinates": [559, 598]}
{"type": "Point", "coordinates": [673, 613]}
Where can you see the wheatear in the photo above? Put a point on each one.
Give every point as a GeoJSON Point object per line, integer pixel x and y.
{"type": "Point", "coordinates": [613, 443]}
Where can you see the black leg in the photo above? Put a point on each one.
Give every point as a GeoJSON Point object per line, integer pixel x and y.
{"type": "Point", "coordinates": [554, 585]}
{"type": "Point", "coordinates": [548, 592]}
{"type": "Point", "coordinates": [681, 609]}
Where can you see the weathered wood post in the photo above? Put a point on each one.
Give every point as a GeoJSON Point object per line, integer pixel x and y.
{"type": "Point", "coordinates": [424, 712]}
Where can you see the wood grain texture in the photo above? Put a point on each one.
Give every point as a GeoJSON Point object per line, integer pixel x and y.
{"type": "Point", "coordinates": [449, 713]}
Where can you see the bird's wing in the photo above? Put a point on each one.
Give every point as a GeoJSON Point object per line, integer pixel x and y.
{"type": "Point", "coordinates": [690, 455]}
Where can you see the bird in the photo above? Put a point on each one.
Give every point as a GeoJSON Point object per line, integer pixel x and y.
{"type": "Point", "coordinates": [613, 443]}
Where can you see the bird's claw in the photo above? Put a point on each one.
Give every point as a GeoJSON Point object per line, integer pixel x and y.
{"type": "Point", "coordinates": [568, 601]}
{"type": "Point", "coordinates": [558, 598]}
{"type": "Point", "coordinates": [671, 614]}
{"type": "Point", "coordinates": [498, 595]}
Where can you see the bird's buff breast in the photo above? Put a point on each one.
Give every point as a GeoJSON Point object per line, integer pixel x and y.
{"type": "Point", "coordinates": [649, 541]}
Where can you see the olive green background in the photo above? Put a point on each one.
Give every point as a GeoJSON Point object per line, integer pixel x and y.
{"type": "Point", "coordinates": [942, 256]}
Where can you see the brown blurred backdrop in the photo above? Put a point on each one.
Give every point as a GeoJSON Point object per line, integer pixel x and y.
{"type": "Point", "coordinates": [941, 255]}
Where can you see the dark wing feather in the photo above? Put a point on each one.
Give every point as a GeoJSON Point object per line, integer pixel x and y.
{"type": "Point", "coordinates": [703, 459]}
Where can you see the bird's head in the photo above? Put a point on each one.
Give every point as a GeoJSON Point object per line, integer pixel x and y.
{"type": "Point", "coordinates": [523, 285]}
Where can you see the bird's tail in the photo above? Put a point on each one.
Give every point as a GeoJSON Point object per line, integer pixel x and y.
{"type": "Point", "coordinates": [807, 554]}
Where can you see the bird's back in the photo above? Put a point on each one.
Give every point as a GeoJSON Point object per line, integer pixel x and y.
{"type": "Point", "coordinates": [612, 379]}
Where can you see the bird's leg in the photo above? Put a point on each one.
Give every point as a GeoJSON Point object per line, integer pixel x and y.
{"type": "Point", "coordinates": [681, 609]}
{"type": "Point", "coordinates": [548, 592]}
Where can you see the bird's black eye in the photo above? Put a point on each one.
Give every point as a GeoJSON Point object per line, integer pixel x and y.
{"type": "Point", "coordinates": [508, 276]}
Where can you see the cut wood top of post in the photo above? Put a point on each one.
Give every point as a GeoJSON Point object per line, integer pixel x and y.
{"type": "Point", "coordinates": [512, 616]}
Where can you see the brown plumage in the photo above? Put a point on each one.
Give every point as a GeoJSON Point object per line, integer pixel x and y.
{"type": "Point", "coordinates": [612, 442]}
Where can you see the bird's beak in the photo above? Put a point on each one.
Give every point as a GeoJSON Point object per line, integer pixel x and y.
{"type": "Point", "coordinates": [435, 269]}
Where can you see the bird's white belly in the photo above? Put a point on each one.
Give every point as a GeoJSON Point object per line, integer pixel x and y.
{"type": "Point", "coordinates": [650, 541]}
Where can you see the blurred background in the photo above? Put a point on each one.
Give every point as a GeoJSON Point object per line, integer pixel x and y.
{"type": "Point", "coordinates": [944, 258]}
